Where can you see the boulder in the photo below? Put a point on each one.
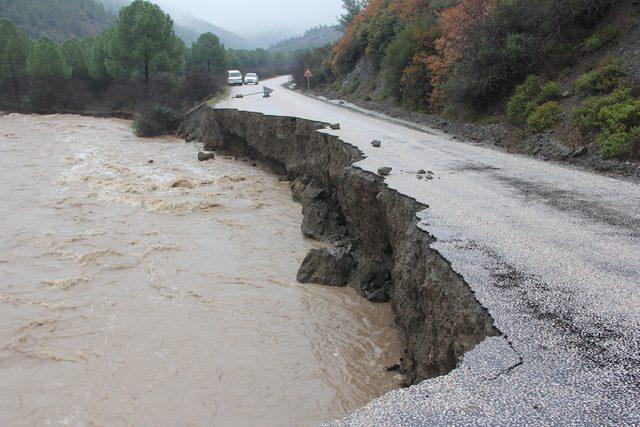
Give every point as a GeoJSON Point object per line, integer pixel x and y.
{"type": "Point", "coordinates": [580, 152]}
{"type": "Point", "coordinates": [375, 143]}
{"type": "Point", "coordinates": [329, 267]}
{"type": "Point", "coordinates": [384, 171]}
{"type": "Point", "coordinates": [422, 172]}
{"type": "Point", "coordinates": [334, 126]}
{"type": "Point", "coordinates": [204, 156]}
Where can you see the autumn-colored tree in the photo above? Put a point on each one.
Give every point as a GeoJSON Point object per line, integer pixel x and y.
{"type": "Point", "coordinates": [461, 27]}
{"type": "Point", "coordinates": [355, 41]}
{"type": "Point", "coordinates": [416, 87]}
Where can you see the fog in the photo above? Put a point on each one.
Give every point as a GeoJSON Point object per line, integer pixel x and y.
{"type": "Point", "coordinates": [269, 19]}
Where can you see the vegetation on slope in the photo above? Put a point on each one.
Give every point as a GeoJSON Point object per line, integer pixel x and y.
{"type": "Point", "coordinates": [467, 58]}
{"type": "Point", "coordinates": [59, 20]}
{"type": "Point", "coordinates": [315, 37]}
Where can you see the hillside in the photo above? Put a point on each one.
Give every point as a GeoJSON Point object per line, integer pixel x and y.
{"type": "Point", "coordinates": [59, 20]}
{"type": "Point", "coordinates": [187, 27]}
{"type": "Point", "coordinates": [557, 80]}
{"type": "Point", "coordinates": [315, 37]}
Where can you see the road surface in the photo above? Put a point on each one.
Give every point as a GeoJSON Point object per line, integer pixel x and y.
{"type": "Point", "coordinates": [552, 252]}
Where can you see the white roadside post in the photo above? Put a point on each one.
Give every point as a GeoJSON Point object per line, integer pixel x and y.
{"type": "Point", "coordinates": [308, 75]}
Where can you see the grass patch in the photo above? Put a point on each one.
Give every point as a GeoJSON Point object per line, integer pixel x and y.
{"type": "Point", "coordinates": [219, 97]}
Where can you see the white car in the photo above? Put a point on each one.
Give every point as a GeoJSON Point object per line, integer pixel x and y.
{"type": "Point", "coordinates": [251, 79]}
{"type": "Point", "coordinates": [235, 78]}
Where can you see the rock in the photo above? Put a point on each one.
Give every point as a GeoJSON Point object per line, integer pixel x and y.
{"type": "Point", "coordinates": [422, 172]}
{"type": "Point", "coordinates": [183, 183]}
{"type": "Point", "coordinates": [429, 177]}
{"type": "Point", "coordinates": [580, 152]}
{"type": "Point", "coordinates": [566, 94]}
{"type": "Point", "coordinates": [420, 177]}
{"type": "Point", "coordinates": [311, 192]}
{"type": "Point", "coordinates": [329, 267]}
{"type": "Point", "coordinates": [189, 138]}
{"type": "Point", "coordinates": [375, 143]}
{"type": "Point", "coordinates": [150, 161]}
{"type": "Point", "coordinates": [384, 171]}
{"type": "Point", "coordinates": [378, 295]}
{"type": "Point", "coordinates": [335, 126]}
{"type": "Point", "coordinates": [203, 156]}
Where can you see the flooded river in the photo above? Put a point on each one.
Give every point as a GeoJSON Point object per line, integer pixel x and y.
{"type": "Point", "coordinates": [163, 293]}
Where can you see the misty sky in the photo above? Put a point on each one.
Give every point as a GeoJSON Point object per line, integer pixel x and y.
{"type": "Point", "coordinates": [251, 18]}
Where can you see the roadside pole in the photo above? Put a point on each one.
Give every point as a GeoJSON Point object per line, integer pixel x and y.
{"type": "Point", "coordinates": [308, 75]}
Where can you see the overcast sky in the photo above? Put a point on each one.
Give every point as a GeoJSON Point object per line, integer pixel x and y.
{"type": "Point", "coordinates": [251, 18]}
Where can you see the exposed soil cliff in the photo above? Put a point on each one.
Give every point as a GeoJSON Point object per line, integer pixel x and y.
{"type": "Point", "coordinates": [378, 248]}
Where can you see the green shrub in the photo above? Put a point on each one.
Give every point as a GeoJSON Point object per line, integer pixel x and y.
{"type": "Point", "coordinates": [594, 43]}
{"type": "Point", "coordinates": [522, 103]}
{"type": "Point", "coordinates": [543, 117]}
{"type": "Point", "coordinates": [603, 37]}
{"type": "Point", "coordinates": [603, 79]}
{"type": "Point", "coordinates": [549, 92]}
{"type": "Point", "coordinates": [619, 144]}
{"type": "Point", "coordinates": [528, 99]}
{"type": "Point", "coordinates": [616, 120]}
{"type": "Point", "coordinates": [154, 121]}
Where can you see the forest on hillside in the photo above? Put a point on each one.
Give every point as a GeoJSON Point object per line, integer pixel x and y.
{"type": "Point", "coordinates": [58, 19]}
{"type": "Point", "coordinates": [487, 58]}
{"type": "Point", "coordinates": [319, 36]}
{"type": "Point", "coordinates": [137, 65]}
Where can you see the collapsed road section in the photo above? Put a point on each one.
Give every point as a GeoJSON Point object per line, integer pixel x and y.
{"type": "Point", "coordinates": [377, 247]}
{"type": "Point", "coordinates": [519, 278]}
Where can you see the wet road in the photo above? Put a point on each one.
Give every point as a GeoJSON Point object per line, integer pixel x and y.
{"type": "Point", "coordinates": [552, 252]}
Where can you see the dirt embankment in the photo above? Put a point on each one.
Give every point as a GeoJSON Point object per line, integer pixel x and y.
{"type": "Point", "coordinates": [376, 245]}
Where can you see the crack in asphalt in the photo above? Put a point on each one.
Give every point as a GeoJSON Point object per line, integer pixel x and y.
{"type": "Point", "coordinates": [511, 368]}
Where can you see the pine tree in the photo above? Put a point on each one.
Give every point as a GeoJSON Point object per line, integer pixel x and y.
{"type": "Point", "coordinates": [144, 42]}
{"type": "Point", "coordinates": [208, 54]}
{"type": "Point", "coordinates": [15, 47]}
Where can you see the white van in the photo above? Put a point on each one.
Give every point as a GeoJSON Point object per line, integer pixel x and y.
{"type": "Point", "coordinates": [235, 78]}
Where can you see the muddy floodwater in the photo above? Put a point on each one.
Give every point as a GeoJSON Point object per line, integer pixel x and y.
{"type": "Point", "coordinates": [163, 293]}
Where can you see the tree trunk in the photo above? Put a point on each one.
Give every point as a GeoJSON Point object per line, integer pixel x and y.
{"type": "Point", "coordinates": [16, 88]}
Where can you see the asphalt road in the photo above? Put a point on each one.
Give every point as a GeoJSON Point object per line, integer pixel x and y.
{"type": "Point", "coordinates": [552, 252]}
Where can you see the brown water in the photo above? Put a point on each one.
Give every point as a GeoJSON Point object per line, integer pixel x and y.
{"type": "Point", "coordinates": [137, 293]}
